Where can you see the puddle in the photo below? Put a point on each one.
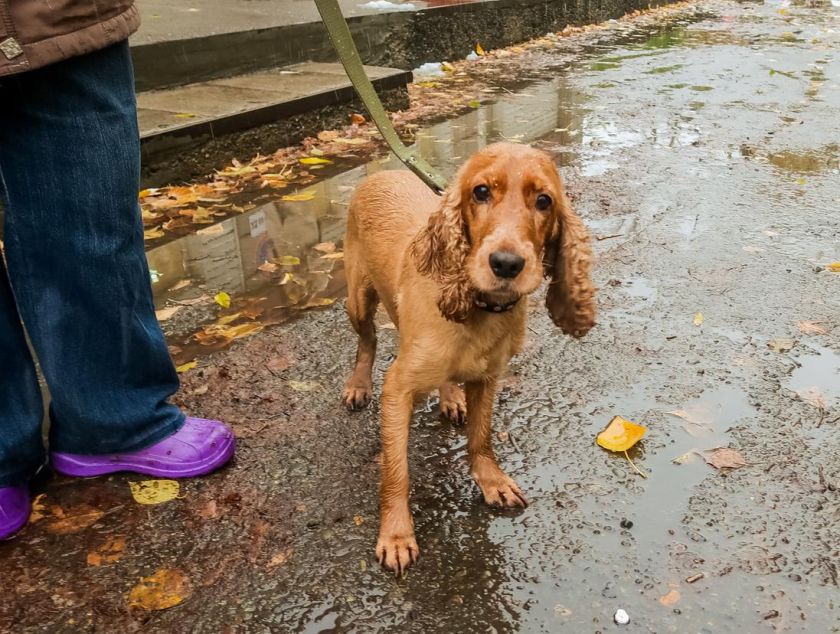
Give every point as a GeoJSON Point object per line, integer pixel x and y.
{"type": "Point", "coordinates": [826, 158]}
{"type": "Point", "coordinates": [640, 288]}
{"type": "Point", "coordinates": [702, 423]}
{"type": "Point", "coordinates": [817, 382]}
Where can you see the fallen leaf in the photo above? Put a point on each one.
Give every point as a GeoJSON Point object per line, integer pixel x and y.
{"type": "Point", "coordinates": [447, 67]}
{"type": "Point", "coordinates": [184, 115]}
{"type": "Point", "coordinates": [781, 345]}
{"type": "Point", "coordinates": [180, 285]}
{"type": "Point", "coordinates": [319, 301]}
{"type": "Point", "coordinates": [353, 141]}
{"type": "Point", "coordinates": [72, 520]}
{"type": "Point", "coordinates": [153, 234]}
{"type": "Point", "coordinates": [267, 267]}
{"type": "Point", "coordinates": [358, 520]}
{"type": "Point", "coordinates": [297, 198]}
{"type": "Point", "coordinates": [620, 434]}
{"type": "Point", "coordinates": [474, 103]}
{"type": "Point", "coordinates": [813, 397]}
{"type": "Point", "coordinates": [209, 511]}
{"type": "Point", "coordinates": [186, 367]}
{"type": "Point", "coordinates": [154, 491]}
{"type": "Point", "coordinates": [108, 553]}
{"type": "Point", "coordinates": [39, 509]}
{"type": "Point", "coordinates": [279, 559]}
{"type": "Point", "coordinates": [325, 247]}
{"type": "Point", "coordinates": [724, 458]}
{"type": "Point", "coordinates": [164, 589]}
{"type": "Point", "coordinates": [834, 267]}
{"type": "Point", "coordinates": [314, 160]}
{"type": "Point", "coordinates": [287, 260]}
{"type": "Point", "coordinates": [304, 386]}
{"type": "Point", "coordinates": [357, 119]}
{"type": "Point", "coordinates": [698, 319]}
{"type": "Point", "coordinates": [222, 299]}
{"type": "Point", "coordinates": [333, 256]}
{"type": "Point", "coordinates": [687, 457]}
{"type": "Point", "coordinates": [811, 328]}
{"type": "Point", "coordinates": [166, 313]}
{"type": "Point", "coordinates": [479, 50]}
{"type": "Point", "coordinates": [228, 319]}
{"type": "Point", "coordinates": [670, 598]}
{"type": "Point", "coordinates": [218, 333]}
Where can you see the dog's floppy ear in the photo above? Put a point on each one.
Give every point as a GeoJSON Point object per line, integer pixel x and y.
{"type": "Point", "coordinates": [568, 257]}
{"type": "Point", "coordinates": [440, 251]}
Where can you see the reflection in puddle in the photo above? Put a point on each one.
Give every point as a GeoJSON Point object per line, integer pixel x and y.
{"type": "Point", "coordinates": [284, 256]}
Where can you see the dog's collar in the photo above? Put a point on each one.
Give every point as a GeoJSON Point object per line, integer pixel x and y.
{"type": "Point", "coordinates": [493, 307]}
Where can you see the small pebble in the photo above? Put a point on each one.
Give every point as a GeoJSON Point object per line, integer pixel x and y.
{"type": "Point", "coordinates": [621, 617]}
{"type": "Point", "coordinates": [625, 523]}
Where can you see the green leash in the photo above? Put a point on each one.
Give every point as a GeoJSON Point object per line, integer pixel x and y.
{"type": "Point", "coordinates": [348, 54]}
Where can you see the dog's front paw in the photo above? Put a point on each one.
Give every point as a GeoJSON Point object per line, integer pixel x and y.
{"type": "Point", "coordinates": [498, 488]}
{"type": "Point", "coordinates": [356, 397]}
{"type": "Point", "coordinates": [396, 552]}
{"type": "Point", "coordinates": [453, 404]}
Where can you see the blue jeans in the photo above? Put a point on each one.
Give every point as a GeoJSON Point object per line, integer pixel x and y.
{"type": "Point", "coordinates": [69, 175]}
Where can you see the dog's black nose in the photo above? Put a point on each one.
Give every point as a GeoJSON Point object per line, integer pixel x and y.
{"type": "Point", "coordinates": [506, 264]}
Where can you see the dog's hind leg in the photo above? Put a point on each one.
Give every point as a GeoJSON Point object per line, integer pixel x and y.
{"type": "Point", "coordinates": [362, 301]}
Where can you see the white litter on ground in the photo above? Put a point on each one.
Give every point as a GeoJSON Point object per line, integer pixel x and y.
{"type": "Point", "coordinates": [473, 56]}
{"type": "Point", "coordinates": [621, 617]}
{"type": "Point", "coordinates": [385, 5]}
{"type": "Point", "coordinates": [429, 69]}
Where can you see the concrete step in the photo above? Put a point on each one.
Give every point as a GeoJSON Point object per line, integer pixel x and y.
{"type": "Point", "coordinates": [184, 120]}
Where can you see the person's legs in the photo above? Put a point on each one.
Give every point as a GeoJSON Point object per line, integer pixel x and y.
{"type": "Point", "coordinates": [69, 159]}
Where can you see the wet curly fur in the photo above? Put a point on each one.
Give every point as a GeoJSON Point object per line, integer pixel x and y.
{"type": "Point", "coordinates": [430, 261]}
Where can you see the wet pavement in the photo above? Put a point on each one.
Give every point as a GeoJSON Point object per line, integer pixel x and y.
{"type": "Point", "coordinates": [704, 158]}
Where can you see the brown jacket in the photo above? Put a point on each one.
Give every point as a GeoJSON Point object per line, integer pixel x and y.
{"type": "Point", "coordinates": [34, 33]}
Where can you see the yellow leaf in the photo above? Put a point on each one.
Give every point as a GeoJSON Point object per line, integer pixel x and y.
{"type": "Point", "coordinates": [186, 367]}
{"type": "Point", "coordinates": [447, 67]}
{"type": "Point", "coordinates": [108, 553]}
{"type": "Point", "coordinates": [479, 50]}
{"type": "Point", "coordinates": [304, 386]}
{"type": "Point", "coordinates": [185, 115]}
{"type": "Point", "coordinates": [698, 319]}
{"type": "Point", "coordinates": [287, 260]}
{"type": "Point", "coordinates": [298, 198]}
{"type": "Point", "coordinates": [153, 233]}
{"type": "Point", "coordinates": [620, 434]}
{"type": "Point", "coordinates": [320, 301]}
{"type": "Point", "coordinates": [164, 589]}
{"type": "Point", "coordinates": [475, 103]}
{"type": "Point", "coordinates": [834, 267]}
{"type": "Point", "coordinates": [154, 491]}
{"type": "Point", "coordinates": [314, 160]}
{"type": "Point", "coordinates": [222, 299]}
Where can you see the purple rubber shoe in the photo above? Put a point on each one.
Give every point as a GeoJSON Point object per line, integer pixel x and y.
{"type": "Point", "coordinates": [199, 447]}
{"type": "Point", "coordinates": [15, 507]}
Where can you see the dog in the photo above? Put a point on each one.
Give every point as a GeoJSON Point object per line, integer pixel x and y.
{"type": "Point", "coordinates": [454, 272]}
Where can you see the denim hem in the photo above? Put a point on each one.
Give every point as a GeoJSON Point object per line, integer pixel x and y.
{"type": "Point", "coordinates": [161, 433]}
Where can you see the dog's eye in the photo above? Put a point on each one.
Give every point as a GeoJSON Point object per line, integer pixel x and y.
{"type": "Point", "coordinates": [543, 202]}
{"type": "Point", "coordinates": [481, 193]}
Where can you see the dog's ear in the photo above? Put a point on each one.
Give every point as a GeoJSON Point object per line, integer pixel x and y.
{"type": "Point", "coordinates": [440, 251]}
{"type": "Point", "coordinates": [568, 256]}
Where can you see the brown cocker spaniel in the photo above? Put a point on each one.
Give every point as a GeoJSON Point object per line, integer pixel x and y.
{"type": "Point", "coordinates": [453, 273]}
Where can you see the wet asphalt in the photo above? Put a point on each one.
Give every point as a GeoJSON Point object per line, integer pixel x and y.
{"type": "Point", "coordinates": [705, 159]}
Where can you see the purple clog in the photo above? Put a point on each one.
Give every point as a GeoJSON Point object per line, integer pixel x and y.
{"type": "Point", "coordinates": [199, 447]}
{"type": "Point", "coordinates": [15, 507]}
